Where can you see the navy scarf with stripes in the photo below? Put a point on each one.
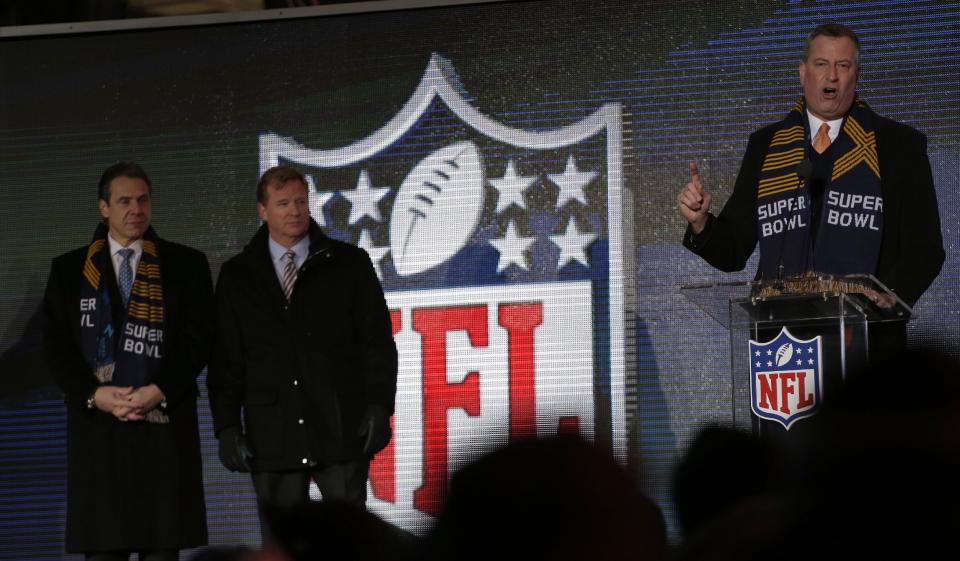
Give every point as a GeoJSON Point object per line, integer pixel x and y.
{"type": "Point", "coordinates": [128, 354]}
{"type": "Point", "coordinates": [850, 223]}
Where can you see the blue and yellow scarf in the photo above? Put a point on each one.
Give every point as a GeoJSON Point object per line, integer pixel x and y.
{"type": "Point", "coordinates": [128, 354]}
{"type": "Point", "coordinates": [851, 218]}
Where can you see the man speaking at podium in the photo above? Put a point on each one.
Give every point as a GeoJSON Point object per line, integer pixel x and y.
{"type": "Point", "coordinates": [832, 188]}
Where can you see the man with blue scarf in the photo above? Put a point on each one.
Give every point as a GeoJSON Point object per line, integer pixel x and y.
{"type": "Point", "coordinates": [128, 326]}
{"type": "Point", "coordinates": [832, 188]}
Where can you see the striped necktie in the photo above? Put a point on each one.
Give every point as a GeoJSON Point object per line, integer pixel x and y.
{"type": "Point", "coordinates": [289, 273]}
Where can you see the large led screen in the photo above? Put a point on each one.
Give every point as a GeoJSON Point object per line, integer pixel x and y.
{"type": "Point", "coordinates": [510, 168]}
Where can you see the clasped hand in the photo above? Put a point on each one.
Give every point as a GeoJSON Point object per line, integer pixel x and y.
{"type": "Point", "coordinates": [127, 403]}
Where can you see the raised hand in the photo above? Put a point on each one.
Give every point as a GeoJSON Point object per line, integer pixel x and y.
{"type": "Point", "coordinates": [694, 201]}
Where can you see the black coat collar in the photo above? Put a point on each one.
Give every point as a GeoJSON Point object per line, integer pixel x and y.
{"type": "Point", "coordinates": [257, 253]}
{"type": "Point", "coordinates": [258, 246]}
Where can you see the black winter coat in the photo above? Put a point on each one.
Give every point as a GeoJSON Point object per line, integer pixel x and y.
{"type": "Point", "coordinates": [134, 485]}
{"type": "Point", "coordinates": [301, 375]}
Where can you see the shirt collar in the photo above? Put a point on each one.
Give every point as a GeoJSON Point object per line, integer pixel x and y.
{"type": "Point", "coordinates": [301, 248]}
{"type": "Point", "coordinates": [815, 123]}
{"type": "Point", "coordinates": [136, 246]}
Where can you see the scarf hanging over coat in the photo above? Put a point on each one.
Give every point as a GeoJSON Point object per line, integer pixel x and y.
{"type": "Point", "coordinates": [128, 353]}
{"type": "Point", "coordinates": [849, 232]}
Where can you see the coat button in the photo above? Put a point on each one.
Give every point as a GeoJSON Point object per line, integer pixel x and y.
{"type": "Point", "coordinates": [299, 421]}
{"type": "Point", "coordinates": [304, 461]}
{"type": "Point", "coordinates": [296, 382]}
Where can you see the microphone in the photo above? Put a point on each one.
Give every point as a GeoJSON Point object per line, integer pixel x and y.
{"type": "Point", "coordinates": [805, 169]}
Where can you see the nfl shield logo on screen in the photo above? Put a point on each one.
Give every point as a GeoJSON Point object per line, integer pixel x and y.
{"type": "Point", "coordinates": [785, 378]}
{"type": "Point", "coordinates": [501, 254]}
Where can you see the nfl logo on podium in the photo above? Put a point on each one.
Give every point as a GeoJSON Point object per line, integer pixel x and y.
{"type": "Point", "coordinates": [786, 382]}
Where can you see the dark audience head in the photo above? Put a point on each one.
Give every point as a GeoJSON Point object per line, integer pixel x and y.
{"type": "Point", "coordinates": [872, 475]}
{"type": "Point", "coordinates": [335, 530]}
{"type": "Point", "coordinates": [223, 553]}
{"type": "Point", "coordinates": [724, 469]}
{"type": "Point", "coordinates": [547, 499]}
{"type": "Point", "coordinates": [879, 474]}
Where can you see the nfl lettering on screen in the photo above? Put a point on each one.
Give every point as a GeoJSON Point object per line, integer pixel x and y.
{"type": "Point", "coordinates": [501, 255]}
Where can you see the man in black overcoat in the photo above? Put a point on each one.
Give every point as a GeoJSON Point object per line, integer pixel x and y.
{"type": "Point", "coordinates": [128, 326]}
{"type": "Point", "coordinates": [304, 371]}
{"type": "Point", "coordinates": [833, 188]}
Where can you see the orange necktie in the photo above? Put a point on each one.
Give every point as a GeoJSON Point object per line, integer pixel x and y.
{"type": "Point", "coordinates": [822, 141]}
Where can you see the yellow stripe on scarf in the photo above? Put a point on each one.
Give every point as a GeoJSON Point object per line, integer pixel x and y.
{"type": "Point", "coordinates": [145, 312]}
{"type": "Point", "coordinates": [148, 290]}
{"type": "Point", "coordinates": [779, 184]}
{"type": "Point", "coordinates": [782, 159]}
{"type": "Point", "coordinates": [90, 271]}
{"type": "Point", "coordinates": [864, 151]}
{"type": "Point", "coordinates": [786, 136]}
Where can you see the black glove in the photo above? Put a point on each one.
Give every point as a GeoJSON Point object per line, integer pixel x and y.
{"type": "Point", "coordinates": [375, 426]}
{"type": "Point", "coordinates": [233, 450]}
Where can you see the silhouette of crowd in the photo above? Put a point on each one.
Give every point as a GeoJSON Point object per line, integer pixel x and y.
{"type": "Point", "coordinates": [873, 475]}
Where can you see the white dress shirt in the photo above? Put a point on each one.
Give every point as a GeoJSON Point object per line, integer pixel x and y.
{"type": "Point", "coordinates": [815, 123]}
{"type": "Point", "coordinates": [136, 246]}
{"type": "Point", "coordinates": [277, 251]}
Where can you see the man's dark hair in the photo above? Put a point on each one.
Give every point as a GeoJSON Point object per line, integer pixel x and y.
{"type": "Point", "coordinates": [277, 176]}
{"type": "Point", "coordinates": [120, 169]}
{"type": "Point", "coordinates": [834, 30]}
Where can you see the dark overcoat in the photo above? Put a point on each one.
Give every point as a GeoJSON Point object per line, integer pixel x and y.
{"type": "Point", "coordinates": [911, 247]}
{"type": "Point", "coordinates": [301, 374]}
{"type": "Point", "coordinates": [134, 485]}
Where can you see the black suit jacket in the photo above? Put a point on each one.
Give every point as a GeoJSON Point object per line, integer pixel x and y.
{"type": "Point", "coordinates": [134, 485]}
{"type": "Point", "coordinates": [301, 375]}
{"type": "Point", "coordinates": [911, 250]}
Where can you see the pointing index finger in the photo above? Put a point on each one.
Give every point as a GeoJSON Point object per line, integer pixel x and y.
{"type": "Point", "coordinates": [695, 179]}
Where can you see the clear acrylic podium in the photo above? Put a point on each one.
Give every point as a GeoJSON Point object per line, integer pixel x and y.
{"type": "Point", "coordinates": [839, 309]}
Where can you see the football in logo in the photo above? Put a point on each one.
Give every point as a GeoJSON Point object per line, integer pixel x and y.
{"type": "Point", "coordinates": [784, 354]}
{"type": "Point", "coordinates": [437, 208]}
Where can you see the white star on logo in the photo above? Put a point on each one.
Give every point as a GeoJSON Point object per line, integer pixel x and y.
{"type": "Point", "coordinates": [511, 187]}
{"type": "Point", "coordinates": [512, 247]}
{"type": "Point", "coordinates": [376, 253]}
{"type": "Point", "coordinates": [571, 183]}
{"type": "Point", "coordinates": [758, 364]}
{"type": "Point", "coordinates": [573, 245]}
{"type": "Point", "coordinates": [364, 199]}
{"type": "Point", "coordinates": [809, 350]}
{"type": "Point", "coordinates": [799, 362]}
{"type": "Point", "coordinates": [757, 353]}
{"type": "Point", "coordinates": [316, 201]}
{"type": "Point", "coordinates": [769, 352]}
{"type": "Point", "coordinates": [810, 361]}
{"type": "Point", "coordinates": [769, 363]}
